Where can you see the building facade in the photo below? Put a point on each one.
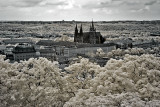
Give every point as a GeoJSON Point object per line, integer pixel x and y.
{"type": "Point", "coordinates": [48, 53]}
{"type": "Point", "coordinates": [24, 52]}
{"type": "Point", "coordinates": [91, 37]}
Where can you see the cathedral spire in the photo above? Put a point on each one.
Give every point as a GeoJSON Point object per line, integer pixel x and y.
{"type": "Point", "coordinates": [75, 33]}
{"type": "Point", "coordinates": [76, 27]}
{"type": "Point", "coordinates": [81, 33]}
{"type": "Point", "coordinates": [81, 30]}
{"type": "Point", "coordinates": [92, 24]}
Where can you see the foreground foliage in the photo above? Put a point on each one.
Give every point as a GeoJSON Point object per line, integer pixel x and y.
{"type": "Point", "coordinates": [133, 81]}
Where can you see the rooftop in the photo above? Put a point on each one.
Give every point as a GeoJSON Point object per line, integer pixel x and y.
{"type": "Point", "coordinates": [46, 51]}
{"type": "Point", "coordinates": [24, 48]}
{"type": "Point", "coordinates": [14, 41]}
{"type": "Point", "coordinates": [71, 44]}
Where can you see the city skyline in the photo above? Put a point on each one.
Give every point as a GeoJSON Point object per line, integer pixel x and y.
{"type": "Point", "coordinates": [84, 10]}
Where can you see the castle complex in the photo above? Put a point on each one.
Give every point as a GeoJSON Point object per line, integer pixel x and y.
{"type": "Point", "coordinates": [91, 37]}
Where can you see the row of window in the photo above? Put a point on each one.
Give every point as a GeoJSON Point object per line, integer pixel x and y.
{"type": "Point", "coordinates": [25, 56]}
{"type": "Point", "coordinates": [21, 57]}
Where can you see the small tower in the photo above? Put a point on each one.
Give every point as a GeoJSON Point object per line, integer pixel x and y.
{"type": "Point", "coordinates": [75, 34]}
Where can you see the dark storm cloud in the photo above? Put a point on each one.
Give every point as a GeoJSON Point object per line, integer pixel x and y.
{"type": "Point", "coordinates": [151, 2]}
{"type": "Point", "coordinates": [111, 4]}
{"type": "Point", "coordinates": [130, 3]}
{"type": "Point", "coordinates": [56, 4]}
{"type": "Point", "coordinates": [100, 4]}
{"type": "Point", "coordinates": [19, 3]}
{"type": "Point", "coordinates": [31, 2]}
{"type": "Point", "coordinates": [119, 2]}
{"type": "Point", "coordinates": [105, 2]}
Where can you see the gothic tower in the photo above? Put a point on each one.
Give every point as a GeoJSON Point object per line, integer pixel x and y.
{"type": "Point", "coordinates": [81, 33]}
{"type": "Point", "coordinates": [92, 29]}
{"type": "Point", "coordinates": [92, 34]}
{"type": "Point", "coordinates": [75, 34]}
{"type": "Point", "coordinates": [81, 30]}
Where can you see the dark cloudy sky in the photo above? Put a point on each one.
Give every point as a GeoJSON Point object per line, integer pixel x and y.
{"type": "Point", "coordinates": [50, 10]}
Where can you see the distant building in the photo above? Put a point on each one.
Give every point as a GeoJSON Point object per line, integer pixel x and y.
{"type": "Point", "coordinates": [54, 43]}
{"type": "Point", "coordinates": [12, 36]}
{"type": "Point", "coordinates": [9, 52]}
{"type": "Point", "coordinates": [2, 49]}
{"type": "Point", "coordinates": [123, 43]}
{"type": "Point", "coordinates": [23, 52]}
{"type": "Point", "coordinates": [47, 53]}
{"type": "Point", "coordinates": [91, 37]}
{"type": "Point", "coordinates": [45, 42]}
{"type": "Point", "coordinates": [64, 49]}
{"type": "Point", "coordinates": [145, 43]}
{"type": "Point", "coordinates": [84, 50]}
{"type": "Point", "coordinates": [15, 41]}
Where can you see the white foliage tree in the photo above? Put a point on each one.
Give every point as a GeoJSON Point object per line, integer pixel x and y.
{"type": "Point", "coordinates": [133, 81]}
{"type": "Point", "coordinates": [100, 52]}
{"type": "Point", "coordinates": [132, 51]}
{"type": "Point", "coordinates": [80, 73]}
{"type": "Point", "coordinates": [36, 82]}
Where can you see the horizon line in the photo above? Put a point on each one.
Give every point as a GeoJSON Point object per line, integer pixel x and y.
{"type": "Point", "coordinates": [71, 20]}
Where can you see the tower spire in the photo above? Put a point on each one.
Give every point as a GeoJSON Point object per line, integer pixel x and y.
{"type": "Point", "coordinates": [75, 33]}
{"type": "Point", "coordinates": [92, 24]}
{"type": "Point", "coordinates": [76, 26]}
{"type": "Point", "coordinates": [81, 30]}
{"type": "Point", "coordinates": [81, 33]}
{"type": "Point", "coordinates": [76, 29]}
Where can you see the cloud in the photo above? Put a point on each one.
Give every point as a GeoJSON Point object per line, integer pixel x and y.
{"type": "Point", "coordinates": [151, 2]}
{"type": "Point", "coordinates": [102, 4]}
{"type": "Point", "coordinates": [19, 3]}
{"type": "Point", "coordinates": [103, 10]}
{"type": "Point", "coordinates": [131, 3]}
{"type": "Point", "coordinates": [106, 2]}
{"type": "Point", "coordinates": [146, 8]}
{"type": "Point", "coordinates": [53, 3]}
{"type": "Point", "coordinates": [78, 9]}
{"type": "Point", "coordinates": [69, 5]}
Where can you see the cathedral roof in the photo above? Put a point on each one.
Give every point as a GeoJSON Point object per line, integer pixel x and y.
{"type": "Point", "coordinates": [85, 34]}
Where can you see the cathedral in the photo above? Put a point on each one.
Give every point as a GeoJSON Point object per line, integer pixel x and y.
{"type": "Point", "coordinates": [91, 37]}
